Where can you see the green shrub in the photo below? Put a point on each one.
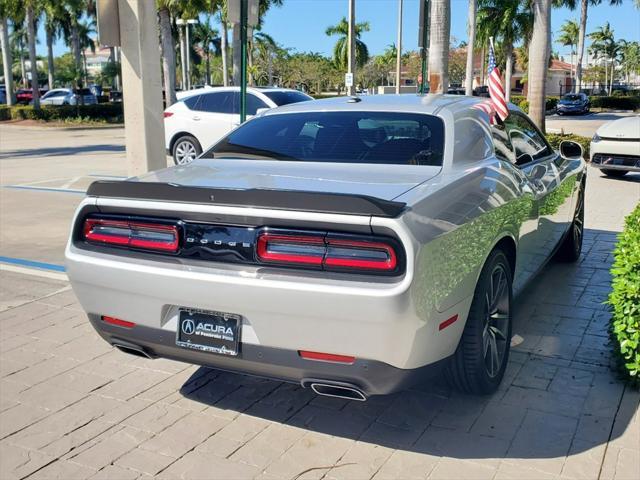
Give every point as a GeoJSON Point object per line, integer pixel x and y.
{"type": "Point", "coordinates": [616, 103]}
{"type": "Point", "coordinates": [524, 105]}
{"type": "Point", "coordinates": [624, 298]}
{"type": "Point", "coordinates": [102, 112]}
{"type": "Point", "coordinates": [555, 139]}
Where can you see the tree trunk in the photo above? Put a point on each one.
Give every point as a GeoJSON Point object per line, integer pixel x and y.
{"type": "Point", "coordinates": [224, 50]}
{"type": "Point", "coordinates": [207, 74]}
{"type": "Point", "coordinates": [539, 60]}
{"type": "Point", "coordinates": [7, 61]}
{"type": "Point", "coordinates": [237, 54]}
{"type": "Point", "coordinates": [471, 31]}
{"type": "Point", "coordinates": [613, 69]}
{"type": "Point", "coordinates": [508, 52]}
{"type": "Point", "coordinates": [31, 39]}
{"type": "Point", "coordinates": [270, 66]}
{"type": "Point", "coordinates": [250, 79]}
{"type": "Point", "coordinates": [75, 47]}
{"type": "Point", "coordinates": [183, 57]}
{"type": "Point", "coordinates": [584, 4]}
{"type": "Point", "coordinates": [23, 67]}
{"type": "Point", "coordinates": [439, 46]}
{"type": "Point", "coordinates": [50, 67]}
{"type": "Point", "coordinates": [168, 57]}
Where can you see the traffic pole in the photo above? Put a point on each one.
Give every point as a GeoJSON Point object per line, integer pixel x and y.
{"type": "Point", "coordinates": [244, 8]}
{"type": "Point", "coordinates": [425, 10]}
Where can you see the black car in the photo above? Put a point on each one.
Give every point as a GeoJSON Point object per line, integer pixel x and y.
{"type": "Point", "coordinates": [577, 103]}
{"type": "Point", "coordinates": [481, 91]}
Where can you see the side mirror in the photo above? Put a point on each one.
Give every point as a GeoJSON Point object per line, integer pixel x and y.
{"type": "Point", "coordinates": [260, 111]}
{"type": "Point", "coordinates": [571, 150]}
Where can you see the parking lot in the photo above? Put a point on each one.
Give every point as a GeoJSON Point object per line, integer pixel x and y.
{"type": "Point", "coordinates": [73, 407]}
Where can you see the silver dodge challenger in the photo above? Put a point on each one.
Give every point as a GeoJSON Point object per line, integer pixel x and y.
{"type": "Point", "coordinates": [355, 246]}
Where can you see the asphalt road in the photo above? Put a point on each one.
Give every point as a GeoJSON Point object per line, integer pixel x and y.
{"type": "Point", "coordinates": [585, 125]}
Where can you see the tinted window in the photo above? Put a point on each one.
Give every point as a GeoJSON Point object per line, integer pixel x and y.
{"type": "Point", "coordinates": [54, 94]}
{"type": "Point", "coordinates": [524, 138]}
{"type": "Point", "coordinates": [502, 145]}
{"type": "Point", "coordinates": [219, 102]}
{"type": "Point", "coordinates": [254, 103]}
{"type": "Point", "coordinates": [345, 137]}
{"type": "Point", "coordinates": [83, 91]}
{"type": "Point", "coordinates": [286, 97]}
{"type": "Point", "coordinates": [191, 102]}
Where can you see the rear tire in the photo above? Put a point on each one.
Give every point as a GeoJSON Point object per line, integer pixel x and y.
{"type": "Point", "coordinates": [480, 360]}
{"type": "Point", "coordinates": [614, 173]}
{"type": "Point", "coordinates": [185, 150]}
{"type": "Point", "coordinates": [571, 246]}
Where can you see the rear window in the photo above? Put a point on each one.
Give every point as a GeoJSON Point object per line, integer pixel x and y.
{"type": "Point", "coordinates": [191, 102]}
{"type": "Point", "coordinates": [285, 98]}
{"type": "Point", "coordinates": [342, 137]}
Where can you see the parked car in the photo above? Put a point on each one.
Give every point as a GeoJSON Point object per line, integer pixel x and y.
{"type": "Point", "coordinates": [352, 247]}
{"type": "Point", "coordinates": [456, 91]}
{"type": "Point", "coordinates": [202, 117]}
{"type": "Point", "coordinates": [115, 96]}
{"type": "Point", "coordinates": [24, 96]}
{"type": "Point", "coordinates": [481, 91]}
{"type": "Point", "coordinates": [3, 94]}
{"type": "Point", "coordinates": [68, 96]}
{"type": "Point", "coordinates": [573, 103]}
{"type": "Point", "coordinates": [615, 147]}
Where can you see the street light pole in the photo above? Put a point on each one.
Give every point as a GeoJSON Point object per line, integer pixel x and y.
{"type": "Point", "coordinates": [352, 46]}
{"type": "Point", "coordinates": [191, 21]}
{"type": "Point", "coordinates": [183, 65]}
{"type": "Point", "coordinates": [244, 12]}
{"type": "Point", "coordinates": [399, 48]}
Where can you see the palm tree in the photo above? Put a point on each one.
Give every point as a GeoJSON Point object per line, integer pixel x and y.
{"type": "Point", "coordinates": [30, 18]}
{"type": "Point", "coordinates": [605, 46]}
{"type": "Point", "coordinates": [7, 57]}
{"type": "Point", "coordinates": [630, 57]}
{"type": "Point", "coordinates": [507, 21]}
{"type": "Point", "coordinates": [341, 48]}
{"type": "Point", "coordinates": [539, 49]}
{"type": "Point", "coordinates": [471, 33]}
{"type": "Point", "coordinates": [86, 42]}
{"type": "Point", "coordinates": [569, 33]}
{"type": "Point", "coordinates": [206, 36]}
{"type": "Point", "coordinates": [584, 5]}
{"type": "Point", "coordinates": [267, 47]}
{"type": "Point", "coordinates": [74, 10]}
{"type": "Point", "coordinates": [54, 27]}
{"type": "Point", "coordinates": [439, 46]}
{"type": "Point", "coordinates": [167, 45]}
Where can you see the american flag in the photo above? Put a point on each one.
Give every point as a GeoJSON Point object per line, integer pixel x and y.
{"type": "Point", "coordinates": [496, 90]}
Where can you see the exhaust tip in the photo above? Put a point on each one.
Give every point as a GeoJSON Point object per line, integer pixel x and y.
{"type": "Point", "coordinates": [338, 391]}
{"type": "Point", "coordinates": [130, 349]}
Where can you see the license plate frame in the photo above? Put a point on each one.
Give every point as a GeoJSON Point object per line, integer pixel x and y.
{"type": "Point", "coordinates": [209, 331]}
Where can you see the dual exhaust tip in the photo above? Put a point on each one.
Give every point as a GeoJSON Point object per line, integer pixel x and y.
{"type": "Point", "coordinates": [336, 390]}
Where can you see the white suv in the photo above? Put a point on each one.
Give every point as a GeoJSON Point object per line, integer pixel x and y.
{"type": "Point", "coordinates": [203, 116]}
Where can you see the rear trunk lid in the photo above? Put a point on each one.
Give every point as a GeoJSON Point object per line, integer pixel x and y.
{"type": "Point", "coordinates": [384, 182]}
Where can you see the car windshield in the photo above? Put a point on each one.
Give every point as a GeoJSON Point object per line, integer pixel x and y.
{"type": "Point", "coordinates": [342, 137]}
{"type": "Point", "coordinates": [286, 97]}
{"type": "Point", "coordinates": [571, 98]}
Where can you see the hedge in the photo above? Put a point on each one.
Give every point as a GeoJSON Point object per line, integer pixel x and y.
{"type": "Point", "coordinates": [616, 103]}
{"type": "Point", "coordinates": [556, 138]}
{"type": "Point", "coordinates": [523, 103]}
{"type": "Point", "coordinates": [624, 298]}
{"type": "Point", "coordinates": [106, 112]}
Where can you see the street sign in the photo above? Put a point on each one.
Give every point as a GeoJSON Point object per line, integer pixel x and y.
{"type": "Point", "coordinates": [348, 79]}
{"type": "Point", "coordinates": [233, 13]}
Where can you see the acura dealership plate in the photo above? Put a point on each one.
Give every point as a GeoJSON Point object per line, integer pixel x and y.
{"type": "Point", "coordinates": [215, 332]}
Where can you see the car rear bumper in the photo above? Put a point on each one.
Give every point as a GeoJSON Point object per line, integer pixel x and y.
{"type": "Point", "coordinates": [368, 376]}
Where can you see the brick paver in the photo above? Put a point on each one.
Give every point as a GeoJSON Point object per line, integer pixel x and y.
{"type": "Point", "coordinates": [72, 407]}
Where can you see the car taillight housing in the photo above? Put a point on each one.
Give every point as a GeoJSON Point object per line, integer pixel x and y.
{"type": "Point", "coordinates": [167, 114]}
{"type": "Point", "coordinates": [132, 234]}
{"type": "Point", "coordinates": [326, 252]}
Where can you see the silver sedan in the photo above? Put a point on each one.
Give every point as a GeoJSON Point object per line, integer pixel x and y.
{"type": "Point", "coordinates": [352, 245]}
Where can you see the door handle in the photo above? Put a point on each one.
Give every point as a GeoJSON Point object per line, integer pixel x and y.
{"type": "Point", "coordinates": [196, 118]}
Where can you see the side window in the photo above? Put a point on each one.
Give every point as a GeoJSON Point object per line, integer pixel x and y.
{"type": "Point", "coordinates": [502, 145]}
{"type": "Point", "coordinates": [218, 102]}
{"type": "Point", "coordinates": [253, 104]}
{"type": "Point", "coordinates": [191, 102]}
{"type": "Point", "coordinates": [524, 138]}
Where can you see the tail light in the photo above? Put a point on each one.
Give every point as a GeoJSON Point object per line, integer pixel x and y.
{"type": "Point", "coordinates": [328, 253]}
{"type": "Point", "coordinates": [327, 357]}
{"type": "Point", "coordinates": [124, 233]}
{"type": "Point", "coordinates": [167, 114]}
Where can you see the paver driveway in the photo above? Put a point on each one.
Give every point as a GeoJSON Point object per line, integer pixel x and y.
{"type": "Point", "coordinates": [72, 407]}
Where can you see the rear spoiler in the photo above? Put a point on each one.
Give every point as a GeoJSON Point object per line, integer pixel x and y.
{"type": "Point", "coordinates": [343, 203]}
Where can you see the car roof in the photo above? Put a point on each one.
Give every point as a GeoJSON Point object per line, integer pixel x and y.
{"type": "Point", "coordinates": [430, 104]}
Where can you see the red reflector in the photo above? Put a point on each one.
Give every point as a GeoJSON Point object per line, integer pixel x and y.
{"type": "Point", "coordinates": [149, 236]}
{"type": "Point", "coordinates": [360, 254]}
{"type": "Point", "coordinates": [118, 322]}
{"type": "Point", "coordinates": [447, 322]}
{"type": "Point", "coordinates": [308, 250]}
{"type": "Point", "coordinates": [327, 357]}
{"type": "Point", "coordinates": [167, 114]}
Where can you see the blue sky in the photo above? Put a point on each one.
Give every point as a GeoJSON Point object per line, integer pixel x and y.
{"type": "Point", "coordinates": [300, 24]}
